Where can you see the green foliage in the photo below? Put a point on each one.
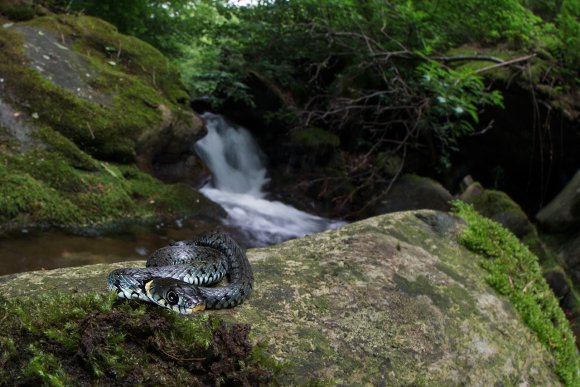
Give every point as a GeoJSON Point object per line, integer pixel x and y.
{"type": "Point", "coordinates": [568, 24]}
{"type": "Point", "coordinates": [331, 56]}
{"type": "Point", "coordinates": [515, 273]}
{"type": "Point", "coordinates": [482, 21]}
{"type": "Point", "coordinates": [455, 98]}
{"type": "Point", "coordinates": [16, 12]}
{"type": "Point", "coordinates": [376, 72]}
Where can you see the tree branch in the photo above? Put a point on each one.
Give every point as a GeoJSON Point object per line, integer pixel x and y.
{"type": "Point", "coordinates": [467, 58]}
{"type": "Point", "coordinates": [505, 63]}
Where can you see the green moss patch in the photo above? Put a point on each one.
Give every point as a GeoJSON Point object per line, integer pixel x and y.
{"type": "Point", "coordinates": [56, 184]}
{"type": "Point", "coordinates": [515, 273]}
{"type": "Point", "coordinates": [82, 96]}
{"type": "Point", "coordinates": [108, 94]}
{"type": "Point", "coordinates": [315, 137]}
{"type": "Point", "coordinates": [85, 339]}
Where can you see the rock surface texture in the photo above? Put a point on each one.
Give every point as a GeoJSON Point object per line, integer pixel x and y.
{"type": "Point", "coordinates": [563, 212]}
{"type": "Point", "coordinates": [412, 192]}
{"type": "Point", "coordinates": [87, 115]}
{"type": "Point", "coordinates": [390, 300]}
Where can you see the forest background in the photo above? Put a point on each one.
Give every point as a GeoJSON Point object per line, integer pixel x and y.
{"type": "Point", "coordinates": [367, 84]}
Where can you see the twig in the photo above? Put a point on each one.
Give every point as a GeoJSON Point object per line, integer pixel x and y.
{"type": "Point", "coordinates": [480, 132]}
{"type": "Point", "coordinates": [467, 58]}
{"type": "Point", "coordinates": [506, 63]}
{"type": "Point", "coordinates": [525, 289]}
{"type": "Point", "coordinates": [90, 130]}
{"type": "Point", "coordinates": [180, 358]}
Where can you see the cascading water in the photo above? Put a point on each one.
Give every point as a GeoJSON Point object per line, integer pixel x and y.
{"type": "Point", "coordinates": [238, 180]}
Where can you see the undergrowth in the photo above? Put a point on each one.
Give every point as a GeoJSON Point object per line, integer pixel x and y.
{"type": "Point", "coordinates": [86, 339]}
{"type": "Point", "coordinates": [515, 273]}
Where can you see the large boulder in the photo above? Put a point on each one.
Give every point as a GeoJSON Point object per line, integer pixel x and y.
{"type": "Point", "coordinates": [563, 212]}
{"type": "Point", "coordinates": [391, 300]}
{"type": "Point", "coordinates": [497, 205]}
{"type": "Point", "coordinates": [412, 192]}
{"type": "Point", "coordinates": [568, 250]}
{"type": "Point", "coordinates": [81, 106]}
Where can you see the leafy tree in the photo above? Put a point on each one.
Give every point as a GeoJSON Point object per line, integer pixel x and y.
{"type": "Point", "coordinates": [377, 71]}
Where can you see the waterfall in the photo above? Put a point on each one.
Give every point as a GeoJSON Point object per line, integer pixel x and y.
{"type": "Point", "coordinates": [237, 184]}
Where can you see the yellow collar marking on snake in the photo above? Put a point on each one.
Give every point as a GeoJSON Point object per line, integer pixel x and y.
{"type": "Point", "coordinates": [148, 287]}
{"type": "Point", "coordinates": [198, 308]}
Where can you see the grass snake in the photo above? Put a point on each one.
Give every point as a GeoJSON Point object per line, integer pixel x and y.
{"type": "Point", "coordinates": [177, 276]}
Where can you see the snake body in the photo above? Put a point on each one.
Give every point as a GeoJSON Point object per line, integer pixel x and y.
{"type": "Point", "coordinates": [176, 276]}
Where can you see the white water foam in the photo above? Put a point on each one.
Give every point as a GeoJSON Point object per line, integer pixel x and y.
{"type": "Point", "coordinates": [238, 182]}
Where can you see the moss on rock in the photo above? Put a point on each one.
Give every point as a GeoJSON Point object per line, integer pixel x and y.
{"type": "Point", "coordinates": [67, 188]}
{"type": "Point", "coordinates": [497, 205]}
{"type": "Point", "coordinates": [392, 300]}
{"type": "Point", "coordinates": [515, 272]}
{"type": "Point", "coordinates": [95, 86]}
{"type": "Point", "coordinates": [315, 137]}
{"type": "Point", "coordinates": [77, 100]}
{"type": "Point", "coordinates": [78, 339]}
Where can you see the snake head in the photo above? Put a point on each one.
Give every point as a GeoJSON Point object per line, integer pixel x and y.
{"type": "Point", "coordinates": [176, 295]}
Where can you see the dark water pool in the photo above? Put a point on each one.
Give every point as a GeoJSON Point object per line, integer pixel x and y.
{"type": "Point", "coordinates": [26, 251]}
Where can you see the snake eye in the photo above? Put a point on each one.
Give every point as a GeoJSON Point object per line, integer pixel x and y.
{"type": "Point", "coordinates": [172, 298]}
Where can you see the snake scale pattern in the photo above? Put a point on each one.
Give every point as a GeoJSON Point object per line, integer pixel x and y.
{"type": "Point", "coordinates": [178, 276]}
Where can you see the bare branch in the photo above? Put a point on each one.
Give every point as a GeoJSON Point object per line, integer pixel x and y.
{"type": "Point", "coordinates": [506, 63]}
{"type": "Point", "coordinates": [466, 58]}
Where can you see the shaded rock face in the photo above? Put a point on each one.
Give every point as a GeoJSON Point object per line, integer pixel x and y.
{"type": "Point", "coordinates": [569, 251]}
{"type": "Point", "coordinates": [187, 168]}
{"type": "Point", "coordinates": [560, 220]}
{"type": "Point", "coordinates": [81, 107]}
{"type": "Point", "coordinates": [411, 192]}
{"type": "Point", "coordinates": [563, 212]}
{"type": "Point", "coordinates": [390, 300]}
{"type": "Point", "coordinates": [115, 96]}
{"type": "Point", "coordinates": [166, 151]}
{"type": "Point", "coordinates": [500, 207]}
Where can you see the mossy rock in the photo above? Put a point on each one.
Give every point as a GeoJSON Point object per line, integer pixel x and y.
{"type": "Point", "coordinates": [80, 339]}
{"type": "Point", "coordinates": [563, 212]}
{"type": "Point", "coordinates": [81, 106]}
{"type": "Point", "coordinates": [315, 138]}
{"type": "Point", "coordinates": [412, 192]}
{"type": "Point", "coordinates": [497, 205]}
{"type": "Point", "coordinates": [392, 300]}
{"type": "Point", "coordinates": [99, 88]}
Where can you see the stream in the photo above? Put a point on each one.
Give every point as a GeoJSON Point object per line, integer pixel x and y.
{"type": "Point", "coordinates": [239, 177]}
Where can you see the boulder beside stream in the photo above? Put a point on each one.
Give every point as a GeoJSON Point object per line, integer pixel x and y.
{"type": "Point", "coordinates": [389, 300]}
{"type": "Point", "coordinates": [87, 116]}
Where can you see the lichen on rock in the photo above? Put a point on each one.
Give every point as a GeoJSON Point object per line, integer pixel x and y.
{"type": "Point", "coordinates": [392, 300]}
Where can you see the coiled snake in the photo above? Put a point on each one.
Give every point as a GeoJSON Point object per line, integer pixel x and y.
{"type": "Point", "coordinates": [175, 274]}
